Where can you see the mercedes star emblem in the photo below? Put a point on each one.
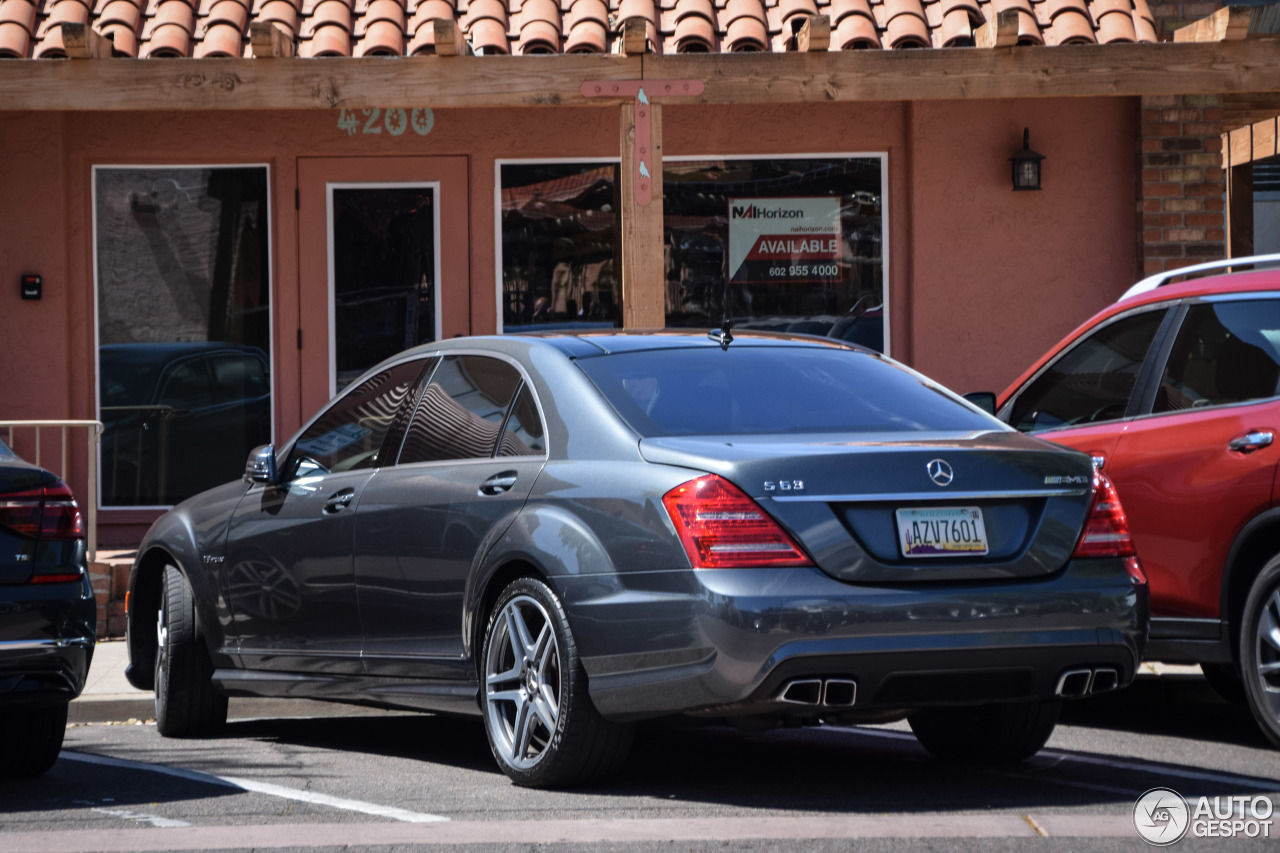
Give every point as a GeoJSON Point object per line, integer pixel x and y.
{"type": "Point", "coordinates": [940, 472]}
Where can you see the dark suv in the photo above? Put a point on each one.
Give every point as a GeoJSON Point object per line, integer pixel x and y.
{"type": "Point", "coordinates": [1175, 392]}
{"type": "Point", "coordinates": [48, 615]}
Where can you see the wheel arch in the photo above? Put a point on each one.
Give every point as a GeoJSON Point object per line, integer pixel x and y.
{"type": "Point", "coordinates": [1256, 544]}
{"type": "Point", "coordinates": [146, 585]}
{"type": "Point", "coordinates": [523, 551]}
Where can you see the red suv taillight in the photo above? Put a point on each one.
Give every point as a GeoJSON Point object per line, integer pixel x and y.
{"type": "Point", "coordinates": [1106, 530]}
{"type": "Point", "coordinates": [50, 512]}
{"type": "Point", "coordinates": [722, 528]}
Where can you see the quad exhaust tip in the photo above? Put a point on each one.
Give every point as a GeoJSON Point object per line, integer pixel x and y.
{"type": "Point", "coordinates": [1075, 683]}
{"type": "Point", "coordinates": [830, 692]}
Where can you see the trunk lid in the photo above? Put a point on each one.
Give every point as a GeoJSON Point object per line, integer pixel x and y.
{"type": "Point", "coordinates": [848, 502]}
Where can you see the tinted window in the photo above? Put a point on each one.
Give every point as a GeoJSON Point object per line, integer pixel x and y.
{"type": "Point", "coordinates": [239, 378]}
{"type": "Point", "coordinates": [187, 387]}
{"type": "Point", "coordinates": [1226, 352]}
{"type": "Point", "coordinates": [1093, 380]}
{"type": "Point", "coordinates": [762, 390]}
{"type": "Point", "coordinates": [350, 434]}
{"type": "Point", "coordinates": [461, 410]}
{"type": "Point", "coordinates": [523, 435]}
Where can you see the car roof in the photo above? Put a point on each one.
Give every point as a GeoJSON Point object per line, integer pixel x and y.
{"type": "Point", "coordinates": [596, 342]}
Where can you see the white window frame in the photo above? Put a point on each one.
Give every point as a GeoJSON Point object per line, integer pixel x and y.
{"type": "Point", "coordinates": [329, 187]}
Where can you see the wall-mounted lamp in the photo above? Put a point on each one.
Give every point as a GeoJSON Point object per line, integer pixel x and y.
{"type": "Point", "coordinates": [1026, 165]}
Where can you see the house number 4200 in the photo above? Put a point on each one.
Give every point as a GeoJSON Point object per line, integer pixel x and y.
{"type": "Point", "coordinates": [394, 120]}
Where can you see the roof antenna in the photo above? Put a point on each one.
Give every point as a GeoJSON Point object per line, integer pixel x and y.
{"type": "Point", "coordinates": [724, 334]}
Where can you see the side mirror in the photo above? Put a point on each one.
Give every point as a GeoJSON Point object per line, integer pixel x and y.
{"type": "Point", "coordinates": [261, 467]}
{"type": "Point", "coordinates": [985, 400]}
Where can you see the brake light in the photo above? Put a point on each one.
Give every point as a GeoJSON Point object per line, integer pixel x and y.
{"type": "Point", "coordinates": [722, 528]}
{"type": "Point", "coordinates": [49, 512]}
{"type": "Point", "coordinates": [1106, 530]}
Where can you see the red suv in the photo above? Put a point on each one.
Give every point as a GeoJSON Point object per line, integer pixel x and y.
{"type": "Point", "coordinates": [1175, 392]}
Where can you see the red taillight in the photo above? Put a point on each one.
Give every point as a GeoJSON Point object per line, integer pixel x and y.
{"type": "Point", "coordinates": [1106, 531]}
{"type": "Point", "coordinates": [42, 513]}
{"type": "Point", "coordinates": [722, 528]}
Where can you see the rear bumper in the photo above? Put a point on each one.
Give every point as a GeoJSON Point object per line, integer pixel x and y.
{"type": "Point", "coordinates": [732, 642]}
{"type": "Point", "coordinates": [47, 636]}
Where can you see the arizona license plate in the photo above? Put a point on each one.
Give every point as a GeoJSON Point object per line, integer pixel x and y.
{"type": "Point", "coordinates": [941, 532]}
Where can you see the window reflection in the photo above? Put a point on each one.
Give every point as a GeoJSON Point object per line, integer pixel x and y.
{"type": "Point", "coordinates": [183, 328]}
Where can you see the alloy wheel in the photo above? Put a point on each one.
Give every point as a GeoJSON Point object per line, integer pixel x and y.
{"type": "Point", "coordinates": [1268, 652]}
{"type": "Point", "coordinates": [523, 682]}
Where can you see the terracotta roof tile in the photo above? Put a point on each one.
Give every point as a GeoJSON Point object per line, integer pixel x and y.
{"type": "Point", "coordinates": [221, 39]}
{"type": "Point", "coordinates": [154, 28]}
{"type": "Point", "coordinates": [15, 40]}
{"type": "Point", "coordinates": [856, 32]}
{"type": "Point", "coordinates": [956, 29]}
{"type": "Point", "coordinates": [1071, 26]}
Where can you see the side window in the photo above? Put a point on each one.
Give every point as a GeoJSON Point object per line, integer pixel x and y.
{"type": "Point", "coordinates": [350, 434]}
{"type": "Point", "coordinates": [523, 435]}
{"type": "Point", "coordinates": [461, 410]}
{"type": "Point", "coordinates": [239, 378]}
{"type": "Point", "coordinates": [1093, 380]}
{"type": "Point", "coordinates": [1225, 352]}
{"type": "Point", "coordinates": [187, 386]}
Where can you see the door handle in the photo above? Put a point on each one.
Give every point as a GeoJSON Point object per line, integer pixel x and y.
{"type": "Point", "coordinates": [498, 483]}
{"type": "Point", "coordinates": [1251, 441]}
{"type": "Point", "coordinates": [339, 501]}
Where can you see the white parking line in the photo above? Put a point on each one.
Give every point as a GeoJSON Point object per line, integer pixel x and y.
{"type": "Point", "coordinates": [261, 788]}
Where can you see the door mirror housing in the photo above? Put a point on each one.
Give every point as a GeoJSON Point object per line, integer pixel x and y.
{"type": "Point", "coordinates": [261, 467]}
{"type": "Point", "coordinates": [985, 400]}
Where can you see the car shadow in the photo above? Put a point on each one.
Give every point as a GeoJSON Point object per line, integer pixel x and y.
{"type": "Point", "coordinates": [1182, 706]}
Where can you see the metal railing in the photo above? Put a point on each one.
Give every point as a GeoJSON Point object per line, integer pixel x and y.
{"type": "Point", "coordinates": [93, 431]}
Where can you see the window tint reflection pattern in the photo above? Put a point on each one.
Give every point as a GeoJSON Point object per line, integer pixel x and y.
{"type": "Point", "coordinates": [461, 411]}
{"type": "Point", "coordinates": [351, 434]}
{"type": "Point", "coordinates": [1225, 352]}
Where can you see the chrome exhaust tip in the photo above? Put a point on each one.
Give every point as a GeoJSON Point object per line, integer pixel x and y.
{"type": "Point", "coordinates": [1104, 680]}
{"type": "Point", "coordinates": [839, 692]}
{"type": "Point", "coordinates": [804, 691]}
{"type": "Point", "coordinates": [1074, 683]}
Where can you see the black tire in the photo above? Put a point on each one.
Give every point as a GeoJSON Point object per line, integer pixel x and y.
{"type": "Point", "coordinates": [1259, 652]}
{"type": "Point", "coordinates": [187, 704]}
{"type": "Point", "coordinates": [986, 734]}
{"type": "Point", "coordinates": [1225, 679]}
{"type": "Point", "coordinates": [557, 739]}
{"type": "Point", "coordinates": [31, 738]}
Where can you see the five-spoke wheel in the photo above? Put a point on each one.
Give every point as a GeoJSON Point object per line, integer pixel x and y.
{"type": "Point", "coordinates": [1260, 650]}
{"type": "Point", "coordinates": [542, 727]}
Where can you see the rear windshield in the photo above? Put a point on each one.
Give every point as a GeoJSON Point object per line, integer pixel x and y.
{"type": "Point", "coordinates": [768, 390]}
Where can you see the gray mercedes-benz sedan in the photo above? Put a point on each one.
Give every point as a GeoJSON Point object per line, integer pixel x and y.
{"type": "Point", "coordinates": [566, 534]}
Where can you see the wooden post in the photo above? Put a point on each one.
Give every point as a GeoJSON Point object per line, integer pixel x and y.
{"type": "Point", "coordinates": [643, 255]}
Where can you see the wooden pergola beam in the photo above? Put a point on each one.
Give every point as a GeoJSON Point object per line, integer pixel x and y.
{"type": "Point", "coordinates": [1113, 70]}
{"type": "Point", "coordinates": [1232, 23]}
{"type": "Point", "coordinates": [81, 41]}
{"type": "Point", "coordinates": [1000, 31]}
{"type": "Point", "coordinates": [269, 40]}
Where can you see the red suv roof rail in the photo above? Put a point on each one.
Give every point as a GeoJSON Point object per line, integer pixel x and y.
{"type": "Point", "coordinates": [1163, 278]}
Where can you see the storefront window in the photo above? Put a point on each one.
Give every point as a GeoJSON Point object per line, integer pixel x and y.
{"type": "Point", "coordinates": [559, 246]}
{"type": "Point", "coordinates": [790, 244]}
{"type": "Point", "coordinates": [183, 296]}
{"type": "Point", "coordinates": [778, 244]}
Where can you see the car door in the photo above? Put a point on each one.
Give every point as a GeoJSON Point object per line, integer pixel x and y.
{"type": "Point", "coordinates": [1202, 463]}
{"type": "Point", "coordinates": [469, 459]}
{"type": "Point", "coordinates": [289, 577]}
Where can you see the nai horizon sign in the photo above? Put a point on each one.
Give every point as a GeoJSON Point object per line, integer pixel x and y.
{"type": "Point", "coordinates": [783, 240]}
